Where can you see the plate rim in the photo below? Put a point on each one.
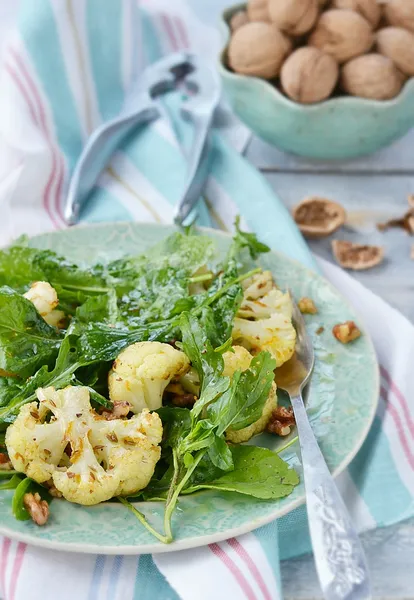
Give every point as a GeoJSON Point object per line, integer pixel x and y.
{"type": "Point", "coordinates": [199, 541]}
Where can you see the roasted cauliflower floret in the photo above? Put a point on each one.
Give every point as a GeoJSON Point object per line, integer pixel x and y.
{"type": "Point", "coordinates": [106, 458]}
{"type": "Point", "coordinates": [257, 286]}
{"type": "Point", "coordinates": [142, 371]}
{"type": "Point", "coordinates": [35, 449]}
{"type": "Point", "coordinates": [240, 359]}
{"type": "Point", "coordinates": [45, 299]}
{"type": "Point", "coordinates": [237, 359]}
{"type": "Point", "coordinates": [264, 320]}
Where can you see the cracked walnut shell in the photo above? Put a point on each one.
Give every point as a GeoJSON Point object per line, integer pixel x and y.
{"type": "Point", "coordinates": [357, 257]}
{"type": "Point", "coordinates": [372, 76]}
{"type": "Point", "coordinates": [258, 49]}
{"type": "Point", "coordinates": [398, 44]}
{"type": "Point", "coordinates": [309, 75]}
{"type": "Point", "coordinates": [295, 17]}
{"type": "Point", "coordinates": [318, 217]}
{"type": "Point", "coordinates": [369, 9]}
{"type": "Point", "coordinates": [343, 34]}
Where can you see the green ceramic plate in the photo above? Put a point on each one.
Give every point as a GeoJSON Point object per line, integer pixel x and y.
{"type": "Point", "coordinates": [341, 407]}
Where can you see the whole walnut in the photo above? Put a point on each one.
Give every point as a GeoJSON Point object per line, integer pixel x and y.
{"type": "Point", "coordinates": [343, 34]}
{"type": "Point", "coordinates": [400, 13]}
{"type": "Point", "coordinates": [398, 44]}
{"type": "Point", "coordinates": [257, 10]}
{"type": "Point", "coordinates": [258, 49]}
{"type": "Point", "coordinates": [371, 76]}
{"type": "Point", "coordinates": [295, 17]}
{"type": "Point", "coordinates": [239, 19]}
{"type": "Point", "coordinates": [369, 9]}
{"type": "Point", "coordinates": [309, 75]}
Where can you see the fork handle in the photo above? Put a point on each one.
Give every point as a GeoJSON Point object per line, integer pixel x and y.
{"type": "Point", "coordinates": [339, 556]}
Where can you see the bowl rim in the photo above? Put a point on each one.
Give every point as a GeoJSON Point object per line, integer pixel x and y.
{"type": "Point", "coordinates": [330, 103]}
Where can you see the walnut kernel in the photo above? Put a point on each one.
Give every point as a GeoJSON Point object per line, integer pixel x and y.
{"type": "Point", "coordinates": [307, 306]}
{"type": "Point", "coordinates": [346, 332]}
{"type": "Point", "coordinates": [37, 508]}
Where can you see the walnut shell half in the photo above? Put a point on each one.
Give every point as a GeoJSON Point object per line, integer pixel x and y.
{"type": "Point", "coordinates": [318, 217]}
{"type": "Point", "coordinates": [357, 257]}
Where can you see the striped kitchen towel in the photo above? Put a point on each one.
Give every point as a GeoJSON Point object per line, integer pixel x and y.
{"type": "Point", "coordinates": [65, 70]}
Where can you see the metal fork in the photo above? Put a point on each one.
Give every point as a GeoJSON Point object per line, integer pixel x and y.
{"type": "Point", "coordinates": [339, 556]}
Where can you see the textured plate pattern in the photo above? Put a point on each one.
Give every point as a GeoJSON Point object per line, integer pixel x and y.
{"type": "Point", "coordinates": [341, 406]}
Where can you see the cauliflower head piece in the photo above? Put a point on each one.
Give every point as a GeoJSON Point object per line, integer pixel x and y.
{"type": "Point", "coordinates": [45, 299]}
{"type": "Point", "coordinates": [107, 458]}
{"type": "Point", "coordinates": [240, 359]}
{"type": "Point", "coordinates": [264, 320]}
{"type": "Point", "coordinates": [142, 371]}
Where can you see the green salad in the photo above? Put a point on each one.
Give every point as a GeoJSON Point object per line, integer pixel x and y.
{"type": "Point", "coordinates": [141, 380]}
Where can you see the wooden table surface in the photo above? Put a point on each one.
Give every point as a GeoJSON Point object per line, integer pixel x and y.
{"type": "Point", "coordinates": [372, 190]}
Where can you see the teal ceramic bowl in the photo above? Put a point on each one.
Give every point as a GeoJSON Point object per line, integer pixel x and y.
{"type": "Point", "coordinates": [338, 128]}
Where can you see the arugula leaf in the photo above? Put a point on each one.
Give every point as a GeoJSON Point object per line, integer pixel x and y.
{"type": "Point", "coordinates": [176, 423]}
{"type": "Point", "coordinates": [101, 308]}
{"type": "Point", "coordinates": [21, 265]}
{"type": "Point", "coordinates": [208, 363]}
{"type": "Point", "coordinates": [243, 239]}
{"type": "Point", "coordinates": [220, 454]}
{"type": "Point", "coordinates": [12, 484]}
{"type": "Point", "coordinates": [257, 472]}
{"type": "Point", "coordinates": [27, 486]}
{"type": "Point", "coordinates": [26, 341]}
{"type": "Point", "coordinates": [61, 375]}
{"type": "Point", "coordinates": [242, 404]}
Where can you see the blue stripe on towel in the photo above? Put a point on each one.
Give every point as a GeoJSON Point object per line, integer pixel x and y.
{"type": "Point", "coordinates": [39, 31]}
{"type": "Point", "coordinates": [104, 30]}
{"type": "Point", "coordinates": [97, 578]}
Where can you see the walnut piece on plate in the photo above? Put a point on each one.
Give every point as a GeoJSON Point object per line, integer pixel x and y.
{"type": "Point", "coordinates": [5, 464]}
{"type": "Point", "coordinates": [281, 421]}
{"type": "Point", "coordinates": [346, 332]}
{"type": "Point", "coordinates": [37, 508]}
{"type": "Point", "coordinates": [357, 256]}
{"type": "Point", "coordinates": [307, 306]}
{"type": "Point", "coordinates": [318, 217]}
